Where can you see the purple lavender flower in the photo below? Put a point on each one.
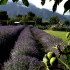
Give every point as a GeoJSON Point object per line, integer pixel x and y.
{"type": "Point", "coordinates": [23, 62]}
{"type": "Point", "coordinates": [8, 35]}
{"type": "Point", "coordinates": [47, 40]}
{"type": "Point", "coordinates": [26, 45]}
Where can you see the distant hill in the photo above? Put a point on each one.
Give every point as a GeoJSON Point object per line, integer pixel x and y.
{"type": "Point", "coordinates": [67, 16]}
{"type": "Point", "coordinates": [14, 9]}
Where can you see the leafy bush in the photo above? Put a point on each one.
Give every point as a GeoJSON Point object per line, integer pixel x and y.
{"type": "Point", "coordinates": [45, 23]}
{"type": "Point", "coordinates": [54, 28]}
{"type": "Point", "coordinates": [41, 27]}
{"type": "Point", "coordinates": [30, 23]}
{"type": "Point", "coordinates": [59, 28]}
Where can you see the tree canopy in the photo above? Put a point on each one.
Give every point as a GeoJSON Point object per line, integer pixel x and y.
{"type": "Point", "coordinates": [54, 20]}
{"type": "Point", "coordinates": [56, 2]}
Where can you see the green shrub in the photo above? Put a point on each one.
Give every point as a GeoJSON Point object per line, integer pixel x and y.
{"type": "Point", "coordinates": [41, 27]}
{"type": "Point", "coordinates": [54, 28]}
{"type": "Point", "coordinates": [59, 28]}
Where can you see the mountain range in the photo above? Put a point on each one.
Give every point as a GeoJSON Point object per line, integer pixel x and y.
{"type": "Point", "coordinates": [14, 9]}
{"type": "Point", "coordinates": [67, 16]}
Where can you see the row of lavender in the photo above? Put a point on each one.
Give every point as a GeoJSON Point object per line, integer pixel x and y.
{"type": "Point", "coordinates": [25, 54]}
{"type": "Point", "coordinates": [8, 35]}
{"type": "Point", "coordinates": [25, 45]}
{"type": "Point", "coordinates": [47, 40]}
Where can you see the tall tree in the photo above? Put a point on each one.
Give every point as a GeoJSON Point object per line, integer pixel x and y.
{"type": "Point", "coordinates": [30, 15]}
{"type": "Point", "coordinates": [54, 20]}
{"type": "Point", "coordinates": [38, 20]}
{"type": "Point", "coordinates": [3, 17]}
{"type": "Point", "coordinates": [66, 22]}
{"type": "Point", "coordinates": [19, 15]}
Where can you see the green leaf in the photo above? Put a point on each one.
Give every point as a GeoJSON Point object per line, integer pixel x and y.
{"type": "Point", "coordinates": [2, 2]}
{"type": "Point", "coordinates": [54, 7]}
{"type": "Point", "coordinates": [60, 0]}
{"type": "Point", "coordinates": [25, 2]}
{"type": "Point", "coordinates": [66, 6]}
{"type": "Point", "coordinates": [65, 10]}
{"type": "Point", "coordinates": [50, 0]}
{"type": "Point", "coordinates": [15, 1]}
{"type": "Point", "coordinates": [42, 2]}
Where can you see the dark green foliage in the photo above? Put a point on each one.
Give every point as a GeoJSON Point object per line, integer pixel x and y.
{"type": "Point", "coordinates": [66, 22]}
{"type": "Point", "coordinates": [15, 1]}
{"type": "Point", "coordinates": [38, 20]}
{"type": "Point", "coordinates": [42, 2]}
{"type": "Point", "coordinates": [66, 6]}
{"type": "Point", "coordinates": [59, 28]}
{"type": "Point", "coordinates": [42, 27]}
{"type": "Point", "coordinates": [54, 28]}
{"type": "Point", "coordinates": [67, 49]}
{"type": "Point", "coordinates": [2, 2]}
{"type": "Point", "coordinates": [30, 15]}
{"type": "Point", "coordinates": [54, 7]}
{"type": "Point", "coordinates": [45, 23]}
{"type": "Point", "coordinates": [54, 20]}
{"type": "Point", "coordinates": [25, 2]}
{"type": "Point", "coordinates": [3, 17]}
{"type": "Point", "coordinates": [30, 23]}
{"type": "Point", "coordinates": [19, 15]}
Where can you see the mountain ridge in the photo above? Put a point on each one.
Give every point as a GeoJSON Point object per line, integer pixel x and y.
{"type": "Point", "coordinates": [14, 9]}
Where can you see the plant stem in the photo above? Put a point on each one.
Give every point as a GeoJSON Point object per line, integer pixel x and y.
{"type": "Point", "coordinates": [64, 64]}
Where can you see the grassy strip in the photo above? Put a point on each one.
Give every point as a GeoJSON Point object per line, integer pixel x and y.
{"type": "Point", "coordinates": [62, 35]}
{"type": "Point", "coordinates": [40, 47]}
{"type": "Point", "coordinates": [59, 34]}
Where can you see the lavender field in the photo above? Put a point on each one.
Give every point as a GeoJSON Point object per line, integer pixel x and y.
{"type": "Point", "coordinates": [22, 48]}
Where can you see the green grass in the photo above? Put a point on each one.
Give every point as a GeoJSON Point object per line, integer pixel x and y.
{"type": "Point", "coordinates": [59, 34]}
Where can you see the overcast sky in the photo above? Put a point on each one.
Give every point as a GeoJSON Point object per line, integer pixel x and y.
{"type": "Point", "coordinates": [48, 5]}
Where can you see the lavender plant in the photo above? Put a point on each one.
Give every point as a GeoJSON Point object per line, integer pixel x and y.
{"type": "Point", "coordinates": [26, 45]}
{"type": "Point", "coordinates": [8, 35]}
{"type": "Point", "coordinates": [23, 62]}
{"type": "Point", "coordinates": [47, 40]}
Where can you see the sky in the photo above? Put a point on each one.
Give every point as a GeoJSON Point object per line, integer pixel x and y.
{"type": "Point", "coordinates": [48, 5]}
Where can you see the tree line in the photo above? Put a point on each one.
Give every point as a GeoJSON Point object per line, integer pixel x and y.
{"type": "Point", "coordinates": [29, 18]}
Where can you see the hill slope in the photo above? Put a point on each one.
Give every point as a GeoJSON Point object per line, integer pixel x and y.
{"type": "Point", "coordinates": [14, 9]}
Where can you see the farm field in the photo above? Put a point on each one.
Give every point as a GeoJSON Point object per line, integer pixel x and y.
{"type": "Point", "coordinates": [59, 34]}
{"type": "Point", "coordinates": [23, 48]}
